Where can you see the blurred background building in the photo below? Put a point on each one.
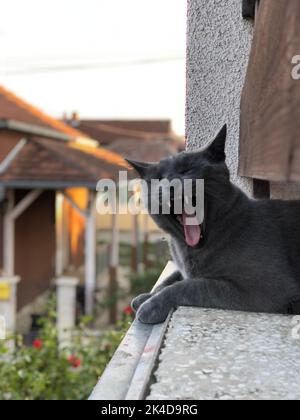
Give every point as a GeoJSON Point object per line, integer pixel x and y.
{"type": "Point", "coordinates": [116, 91]}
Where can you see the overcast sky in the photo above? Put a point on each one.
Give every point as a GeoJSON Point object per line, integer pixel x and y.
{"type": "Point", "coordinates": [102, 58]}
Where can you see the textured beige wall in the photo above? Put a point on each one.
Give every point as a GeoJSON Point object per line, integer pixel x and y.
{"type": "Point", "coordinates": [219, 42]}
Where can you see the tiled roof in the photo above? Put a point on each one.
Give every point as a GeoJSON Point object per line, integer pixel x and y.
{"type": "Point", "coordinates": [101, 153]}
{"type": "Point", "coordinates": [54, 162]}
{"type": "Point", "coordinates": [145, 151]}
{"type": "Point", "coordinates": [14, 108]}
{"type": "Point", "coordinates": [108, 131]}
{"type": "Point", "coordinates": [144, 140]}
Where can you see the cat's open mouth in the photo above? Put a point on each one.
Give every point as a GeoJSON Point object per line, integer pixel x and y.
{"type": "Point", "coordinates": [186, 225]}
{"type": "Point", "coordinates": [192, 230]}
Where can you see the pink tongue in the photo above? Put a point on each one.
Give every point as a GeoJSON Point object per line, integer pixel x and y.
{"type": "Point", "coordinates": [192, 232]}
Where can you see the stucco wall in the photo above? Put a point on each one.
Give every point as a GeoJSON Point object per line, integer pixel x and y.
{"type": "Point", "coordinates": [218, 47]}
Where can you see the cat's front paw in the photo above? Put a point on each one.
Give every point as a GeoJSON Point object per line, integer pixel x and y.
{"type": "Point", "coordinates": [139, 300]}
{"type": "Point", "coordinates": [153, 311]}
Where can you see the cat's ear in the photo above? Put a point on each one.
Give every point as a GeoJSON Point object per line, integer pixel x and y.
{"type": "Point", "coordinates": [140, 167]}
{"type": "Point", "coordinates": [216, 150]}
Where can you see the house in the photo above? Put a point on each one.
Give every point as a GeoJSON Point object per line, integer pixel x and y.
{"type": "Point", "coordinates": [143, 140]}
{"type": "Point", "coordinates": [42, 162]}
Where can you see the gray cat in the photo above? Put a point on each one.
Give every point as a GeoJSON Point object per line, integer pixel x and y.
{"type": "Point", "coordinates": [246, 254]}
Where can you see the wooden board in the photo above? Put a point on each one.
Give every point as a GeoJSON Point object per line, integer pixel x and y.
{"type": "Point", "coordinates": [270, 105]}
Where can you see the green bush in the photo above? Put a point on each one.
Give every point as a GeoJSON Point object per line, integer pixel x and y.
{"type": "Point", "coordinates": [45, 372]}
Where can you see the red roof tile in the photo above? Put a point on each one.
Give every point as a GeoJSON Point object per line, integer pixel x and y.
{"type": "Point", "coordinates": [51, 162]}
{"type": "Point", "coordinates": [14, 108]}
{"type": "Point", "coordinates": [145, 151]}
{"type": "Point", "coordinates": [108, 131]}
{"type": "Point", "coordinates": [145, 140]}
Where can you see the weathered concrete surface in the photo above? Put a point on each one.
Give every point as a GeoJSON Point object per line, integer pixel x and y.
{"type": "Point", "coordinates": [218, 46]}
{"type": "Point", "coordinates": [218, 355]}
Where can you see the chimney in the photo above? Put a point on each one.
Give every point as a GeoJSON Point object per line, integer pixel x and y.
{"type": "Point", "coordinates": [75, 120]}
{"type": "Point", "coordinates": [65, 117]}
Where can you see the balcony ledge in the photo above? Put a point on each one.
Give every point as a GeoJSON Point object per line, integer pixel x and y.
{"type": "Point", "coordinates": [206, 354]}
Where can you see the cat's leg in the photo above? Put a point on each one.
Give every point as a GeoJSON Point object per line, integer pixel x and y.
{"type": "Point", "coordinates": [205, 293]}
{"type": "Point", "coordinates": [139, 300]}
{"type": "Point", "coordinates": [169, 281]}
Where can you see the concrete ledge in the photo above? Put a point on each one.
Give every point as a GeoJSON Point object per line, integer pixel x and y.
{"type": "Point", "coordinates": [224, 355]}
{"type": "Point", "coordinates": [206, 354]}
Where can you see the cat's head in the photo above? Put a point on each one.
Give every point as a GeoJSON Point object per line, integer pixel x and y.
{"type": "Point", "coordinates": [207, 164]}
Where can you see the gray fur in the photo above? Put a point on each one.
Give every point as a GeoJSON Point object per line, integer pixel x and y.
{"type": "Point", "coordinates": [249, 257]}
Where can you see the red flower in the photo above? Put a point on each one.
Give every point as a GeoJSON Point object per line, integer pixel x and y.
{"type": "Point", "coordinates": [37, 344]}
{"type": "Point", "coordinates": [128, 310]}
{"type": "Point", "coordinates": [74, 361]}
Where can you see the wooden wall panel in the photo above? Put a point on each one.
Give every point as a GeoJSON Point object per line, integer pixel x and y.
{"type": "Point", "coordinates": [270, 104]}
{"type": "Point", "coordinates": [35, 247]}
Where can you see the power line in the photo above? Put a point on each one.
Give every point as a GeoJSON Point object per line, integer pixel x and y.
{"type": "Point", "coordinates": [91, 66]}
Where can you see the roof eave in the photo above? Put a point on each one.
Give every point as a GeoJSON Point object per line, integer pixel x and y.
{"type": "Point", "coordinates": [32, 129]}
{"type": "Point", "coordinates": [47, 185]}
